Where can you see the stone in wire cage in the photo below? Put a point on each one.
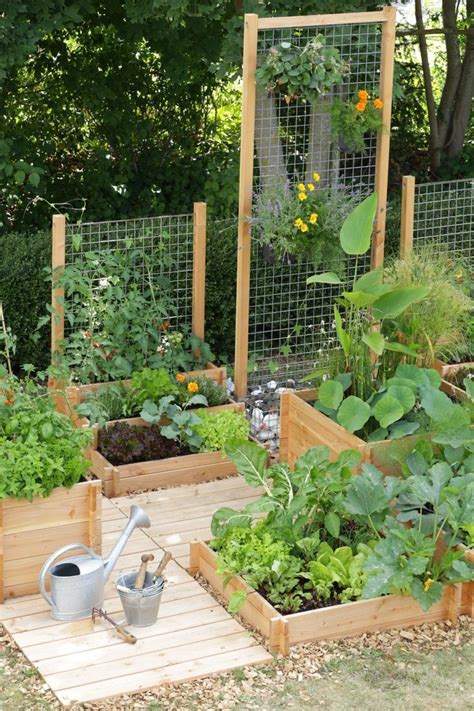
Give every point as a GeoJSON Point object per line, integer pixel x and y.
{"type": "Point", "coordinates": [291, 325]}
{"type": "Point", "coordinates": [166, 242]}
{"type": "Point", "coordinates": [443, 217]}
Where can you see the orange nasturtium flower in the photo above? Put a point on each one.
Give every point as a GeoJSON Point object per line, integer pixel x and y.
{"type": "Point", "coordinates": [180, 377]}
{"type": "Point", "coordinates": [304, 227]}
{"type": "Point", "coordinates": [360, 106]}
{"type": "Point", "coordinates": [313, 218]}
{"type": "Point", "coordinates": [363, 95]}
{"type": "Point", "coordinates": [378, 103]}
{"type": "Point", "coordinates": [193, 387]}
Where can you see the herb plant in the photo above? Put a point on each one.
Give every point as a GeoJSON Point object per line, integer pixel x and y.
{"type": "Point", "coordinates": [301, 72]}
{"type": "Point", "coordinates": [41, 448]}
{"type": "Point", "coordinates": [352, 120]}
{"type": "Point", "coordinates": [175, 422]}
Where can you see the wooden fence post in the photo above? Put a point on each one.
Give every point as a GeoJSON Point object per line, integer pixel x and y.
{"type": "Point", "coordinates": [199, 270]}
{"type": "Point", "coordinates": [58, 260]}
{"type": "Point", "coordinates": [408, 211]}
{"type": "Point", "coordinates": [383, 139]}
{"type": "Point", "coordinates": [244, 245]}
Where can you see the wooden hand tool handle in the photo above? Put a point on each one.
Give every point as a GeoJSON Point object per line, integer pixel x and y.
{"type": "Point", "coordinates": [130, 638]}
{"type": "Point", "coordinates": [140, 579]}
{"type": "Point", "coordinates": [162, 564]}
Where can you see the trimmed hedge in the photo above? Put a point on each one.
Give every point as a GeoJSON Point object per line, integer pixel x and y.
{"type": "Point", "coordinates": [24, 292]}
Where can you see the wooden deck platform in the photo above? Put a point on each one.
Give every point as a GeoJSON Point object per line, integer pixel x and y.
{"type": "Point", "coordinates": [194, 636]}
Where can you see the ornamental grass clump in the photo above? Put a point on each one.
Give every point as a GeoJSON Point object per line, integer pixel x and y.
{"type": "Point", "coordinates": [441, 322]}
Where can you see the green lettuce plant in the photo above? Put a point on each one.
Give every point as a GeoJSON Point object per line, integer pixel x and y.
{"type": "Point", "coordinates": [218, 428]}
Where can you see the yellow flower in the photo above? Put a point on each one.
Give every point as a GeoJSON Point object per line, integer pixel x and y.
{"type": "Point", "coordinates": [363, 95]}
{"type": "Point", "coordinates": [313, 218]}
{"type": "Point", "coordinates": [302, 196]}
{"type": "Point", "coordinates": [378, 103]}
{"type": "Point", "coordinates": [304, 227]}
{"type": "Point", "coordinates": [427, 584]}
{"type": "Point", "coordinates": [193, 387]}
{"type": "Point", "coordinates": [301, 187]}
{"type": "Point", "coordinates": [298, 222]}
{"type": "Point", "coordinates": [316, 176]}
{"type": "Point", "coordinates": [310, 187]}
{"type": "Point", "coordinates": [180, 377]}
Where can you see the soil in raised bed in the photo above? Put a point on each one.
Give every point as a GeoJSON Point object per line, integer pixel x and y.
{"type": "Point", "coordinates": [314, 603]}
{"type": "Point", "coordinates": [122, 443]}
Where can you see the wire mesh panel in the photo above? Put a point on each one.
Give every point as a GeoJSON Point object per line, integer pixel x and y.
{"type": "Point", "coordinates": [159, 249]}
{"type": "Point", "coordinates": [291, 325]}
{"type": "Point", "coordinates": [443, 216]}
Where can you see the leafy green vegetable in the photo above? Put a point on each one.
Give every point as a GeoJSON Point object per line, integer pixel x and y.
{"type": "Point", "coordinates": [217, 428]}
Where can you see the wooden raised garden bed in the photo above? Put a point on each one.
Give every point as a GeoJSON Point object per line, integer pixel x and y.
{"type": "Point", "coordinates": [174, 471]}
{"type": "Point", "coordinates": [31, 531]}
{"type": "Point", "coordinates": [345, 620]}
{"type": "Point", "coordinates": [74, 395]}
{"type": "Point", "coordinates": [449, 370]}
{"type": "Point", "coordinates": [303, 427]}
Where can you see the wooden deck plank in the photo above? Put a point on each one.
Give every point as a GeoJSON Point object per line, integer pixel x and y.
{"type": "Point", "coordinates": [186, 671]}
{"type": "Point", "coordinates": [193, 637]}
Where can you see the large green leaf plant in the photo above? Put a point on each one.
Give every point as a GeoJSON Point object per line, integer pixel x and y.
{"type": "Point", "coordinates": [365, 305]}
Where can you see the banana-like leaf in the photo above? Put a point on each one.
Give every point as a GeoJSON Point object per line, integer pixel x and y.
{"type": "Point", "coordinates": [356, 232]}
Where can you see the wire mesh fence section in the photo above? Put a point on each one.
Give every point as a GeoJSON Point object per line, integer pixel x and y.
{"type": "Point", "coordinates": [291, 329]}
{"type": "Point", "coordinates": [159, 249]}
{"type": "Point", "coordinates": [444, 216]}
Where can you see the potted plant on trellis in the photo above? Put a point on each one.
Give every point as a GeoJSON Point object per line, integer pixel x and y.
{"type": "Point", "coordinates": [46, 497]}
{"type": "Point", "coordinates": [331, 557]}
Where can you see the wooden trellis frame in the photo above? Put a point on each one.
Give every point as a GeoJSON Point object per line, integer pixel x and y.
{"type": "Point", "coordinates": [198, 275]}
{"type": "Point", "coordinates": [252, 24]}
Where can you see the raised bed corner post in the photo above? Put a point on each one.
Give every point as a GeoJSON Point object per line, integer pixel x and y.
{"type": "Point", "coordinates": [408, 214]}
{"type": "Point", "coordinates": [383, 139]}
{"type": "Point", "coordinates": [245, 204]}
{"type": "Point", "coordinates": [199, 270]}
{"type": "Point", "coordinates": [58, 261]}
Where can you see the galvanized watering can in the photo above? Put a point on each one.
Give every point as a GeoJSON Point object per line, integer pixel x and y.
{"type": "Point", "coordinates": [77, 583]}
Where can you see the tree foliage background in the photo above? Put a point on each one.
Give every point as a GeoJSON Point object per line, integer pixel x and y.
{"type": "Point", "coordinates": [124, 108]}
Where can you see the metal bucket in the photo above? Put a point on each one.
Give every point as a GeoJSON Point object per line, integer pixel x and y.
{"type": "Point", "coordinates": [140, 606]}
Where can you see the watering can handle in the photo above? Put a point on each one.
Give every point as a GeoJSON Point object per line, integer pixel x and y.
{"type": "Point", "coordinates": [50, 561]}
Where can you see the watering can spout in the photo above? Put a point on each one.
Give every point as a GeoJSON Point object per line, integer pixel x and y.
{"type": "Point", "coordinates": [138, 519]}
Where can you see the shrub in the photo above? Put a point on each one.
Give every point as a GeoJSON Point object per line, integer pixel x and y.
{"type": "Point", "coordinates": [24, 292]}
{"type": "Point", "coordinates": [217, 428]}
